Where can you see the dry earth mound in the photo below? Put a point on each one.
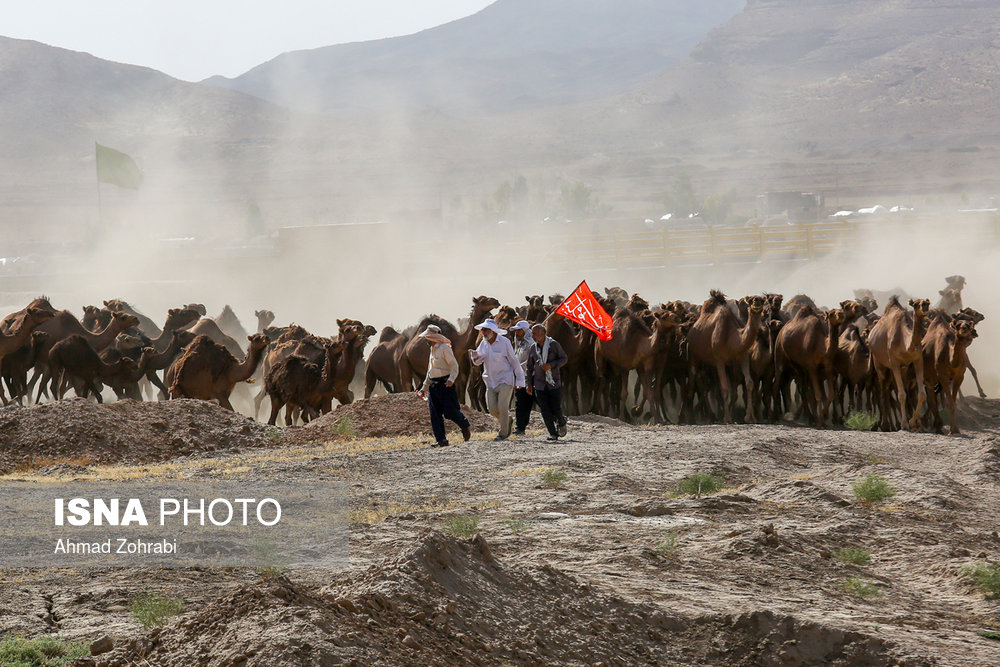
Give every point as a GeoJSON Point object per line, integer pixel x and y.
{"type": "Point", "coordinates": [450, 602]}
{"type": "Point", "coordinates": [126, 431]}
{"type": "Point", "coordinates": [388, 416]}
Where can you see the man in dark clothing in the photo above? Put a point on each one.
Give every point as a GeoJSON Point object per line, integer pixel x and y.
{"type": "Point", "coordinates": [545, 358]}
{"type": "Point", "coordinates": [523, 400]}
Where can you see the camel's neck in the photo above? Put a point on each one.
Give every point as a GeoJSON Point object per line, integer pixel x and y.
{"type": "Point", "coordinates": [917, 335]}
{"type": "Point", "coordinates": [748, 335]}
{"type": "Point", "coordinates": [19, 338]}
{"type": "Point", "coordinates": [99, 341]}
{"type": "Point", "coordinates": [246, 367]}
{"type": "Point", "coordinates": [958, 357]}
{"type": "Point", "coordinates": [833, 342]}
{"type": "Point", "coordinates": [330, 364]}
{"type": "Point", "coordinates": [478, 316]}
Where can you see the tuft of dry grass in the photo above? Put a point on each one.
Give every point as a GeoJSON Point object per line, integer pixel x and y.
{"type": "Point", "coordinates": [377, 513]}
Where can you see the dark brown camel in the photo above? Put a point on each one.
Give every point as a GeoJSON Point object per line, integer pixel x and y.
{"type": "Point", "coordinates": [146, 325]}
{"type": "Point", "coordinates": [975, 317]}
{"type": "Point", "coordinates": [896, 342]}
{"type": "Point", "coordinates": [295, 382]}
{"type": "Point", "coordinates": [79, 361]}
{"type": "Point", "coordinates": [414, 363]}
{"type": "Point", "coordinates": [20, 336]}
{"type": "Point", "coordinates": [805, 351]}
{"type": "Point", "coordinates": [15, 366]}
{"type": "Point", "coordinates": [716, 340]}
{"type": "Point", "coordinates": [383, 363]}
{"type": "Point", "coordinates": [209, 371]}
{"type": "Point", "coordinates": [65, 324]}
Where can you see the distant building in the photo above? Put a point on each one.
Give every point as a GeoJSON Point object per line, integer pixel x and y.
{"type": "Point", "coordinates": [795, 206]}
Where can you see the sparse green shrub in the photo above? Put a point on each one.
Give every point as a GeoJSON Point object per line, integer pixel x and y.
{"type": "Point", "coordinates": [273, 433]}
{"type": "Point", "coordinates": [465, 525]}
{"type": "Point", "coordinates": [700, 483]}
{"type": "Point", "coordinates": [860, 588]}
{"type": "Point", "coordinates": [553, 478]}
{"type": "Point", "coordinates": [986, 576]}
{"type": "Point", "coordinates": [989, 634]}
{"type": "Point", "coordinates": [668, 545]}
{"type": "Point", "coordinates": [40, 651]}
{"type": "Point", "coordinates": [853, 555]}
{"type": "Point", "coordinates": [343, 427]}
{"type": "Point", "coordinates": [872, 489]}
{"type": "Point", "coordinates": [152, 610]}
{"type": "Point", "coordinates": [860, 421]}
{"type": "Point", "coordinates": [516, 525]}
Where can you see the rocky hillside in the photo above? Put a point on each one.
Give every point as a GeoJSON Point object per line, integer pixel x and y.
{"type": "Point", "coordinates": [515, 54]}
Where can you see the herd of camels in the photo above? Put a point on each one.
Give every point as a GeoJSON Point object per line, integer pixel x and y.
{"type": "Point", "coordinates": [759, 358]}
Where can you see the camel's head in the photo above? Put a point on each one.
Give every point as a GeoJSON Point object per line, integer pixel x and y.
{"type": "Point", "coordinates": [200, 307]}
{"type": "Point", "coordinates": [258, 342]}
{"type": "Point", "coordinates": [535, 301]}
{"type": "Point", "coordinates": [955, 282]}
{"type": "Point", "coordinates": [866, 333]}
{"type": "Point", "coordinates": [963, 329]}
{"type": "Point", "coordinates": [973, 315]}
{"type": "Point", "coordinates": [90, 311]}
{"type": "Point", "coordinates": [39, 315]}
{"type": "Point", "coordinates": [264, 318]}
{"type": "Point", "coordinates": [147, 354]}
{"type": "Point", "coordinates": [860, 294]}
{"type": "Point", "coordinates": [774, 300]}
{"type": "Point", "coordinates": [38, 337]}
{"type": "Point", "coordinates": [868, 304]}
{"type": "Point", "coordinates": [835, 317]}
{"type": "Point", "coordinates": [484, 303]}
{"type": "Point", "coordinates": [556, 299]}
{"type": "Point", "coordinates": [755, 304]}
{"type": "Point", "coordinates": [124, 342]}
{"type": "Point", "coordinates": [665, 319]}
{"type": "Point", "coordinates": [637, 304]}
{"type": "Point", "coordinates": [335, 348]}
{"type": "Point", "coordinates": [124, 320]}
{"type": "Point", "coordinates": [179, 317]}
{"type": "Point", "coordinates": [182, 337]}
{"type": "Point", "coordinates": [774, 326]}
{"type": "Point", "coordinates": [617, 295]}
{"type": "Point", "coordinates": [852, 310]}
{"type": "Point", "coordinates": [116, 305]}
{"type": "Point", "coordinates": [506, 315]}
{"type": "Point", "coordinates": [920, 307]}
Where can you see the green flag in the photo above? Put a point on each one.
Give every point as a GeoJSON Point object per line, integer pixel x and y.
{"type": "Point", "coordinates": [117, 168]}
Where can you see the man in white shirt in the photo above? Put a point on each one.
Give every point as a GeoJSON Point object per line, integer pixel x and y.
{"type": "Point", "coordinates": [501, 371]}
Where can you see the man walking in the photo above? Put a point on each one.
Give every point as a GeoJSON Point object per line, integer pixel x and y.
{"type": "Point", "coordinates": [439, 387]}
{"type": "Point", "coordinates": [501, 372]}
{"type": "Point", "coordinates": [522, 399]}
{"type": "Point", "coordinates": [545, 358]}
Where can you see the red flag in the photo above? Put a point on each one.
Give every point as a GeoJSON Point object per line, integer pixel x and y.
{"type": "Point", "coordinates": [582, 307]}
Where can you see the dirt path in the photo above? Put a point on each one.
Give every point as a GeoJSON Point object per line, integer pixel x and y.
{"type": "Point", "coordinates": [743, 576]}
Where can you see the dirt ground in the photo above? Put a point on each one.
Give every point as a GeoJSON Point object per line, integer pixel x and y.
{"type": "Point", "coordinates": [613, 568]}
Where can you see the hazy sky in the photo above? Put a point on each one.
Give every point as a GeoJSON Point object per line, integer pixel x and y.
{"type": "Point", "coordinates": [194, 39]}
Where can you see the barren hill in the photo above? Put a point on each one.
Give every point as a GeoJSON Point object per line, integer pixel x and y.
{"type": "Point", "coordinates": [514, 54]}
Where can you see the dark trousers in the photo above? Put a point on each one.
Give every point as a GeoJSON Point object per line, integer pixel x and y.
{"type": "Point", "coordinates": [522, 408]}
{"type": "Point", "coordinates": [550, 405]}
{"type": "Point", "coordinates": [442, 401]}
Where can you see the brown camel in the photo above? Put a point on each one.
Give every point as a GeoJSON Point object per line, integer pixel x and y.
{"type": "Point", "coordinates": [804, 351]}
{"type": "Point", "coordinates": [79, 361]}
{"type": "Point", "coordinates": [209, 371]}
{"type": "Point", "coordinates": [13, 320]}
{"type": "Point", "coordinates": [126, 383]}
{"type": "Point", "coordinates": [209, 327]}
{"type": "Point", "coordinates": [20, 336]}
{"type": "Point", "coordinates": [95, 319]}
{"type": "Point", "coordinates": [716, 340]}
{"type": "Point", "coordinates": [383, 363]}
{"type": "Point", "coordinates": [975, 317]}
{"type": "Point", "coordinates": [15, 366]}
{"type": "Point", "coordinates": [65, 324]}
{"type": "Point", "coordinates": [296, 383]}
{"type": "Point", "coordinates": [895, 342]}
{"type": "Point", "coordinates": [945, 360]}
{"type": "Point", "coordinates": [851, 368]}
{"type": "Point", "coordinates": [413, 366]}
{"type": "Point", "coordinates": [230, 324]}
{"type": "Point", "coordinates": [146, 325]}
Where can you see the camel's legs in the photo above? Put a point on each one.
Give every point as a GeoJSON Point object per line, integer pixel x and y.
{"type": "Point", "coordinates": [952, 401]}
{"type": "Point", "coordinates": [727, 412]}
{"type": "Point", "coordinates": [750, 416]}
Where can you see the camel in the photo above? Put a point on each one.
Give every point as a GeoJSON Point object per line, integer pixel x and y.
{"type": "Point", "coordinates": [264, 319]}
{"type": "Point", "coordinates": [126, 383]}
{"type": "Point", "coordinates": [230, 324]}
{"type": "Point", "coordinates": [74, 356]}
{"type": "Point", "coordinates": [944, 351]}
{"type": "Point", "coordinates": [383, 363]}
{"type": "Point", "coordinates": [975, 317]}
{"type": "Point", "coordinates": [715, 340]}
{"type": "Point", "coordinates": [11, 321]}
{"type": "Point", "coordinates": [209, 327]}
{"type": "Point", "coordinates": [295, 382]}
{"type": "Point", "coordinates": [209, 371]}
{"type": "Point", "coordinates": [413, 365]}
{"type": "Point", "coordinates": [354, 335]}
{"type": "Point", "coordinates": [536, 309]}
{"type": "Point", "coordinates": [15, 366]}
{"type": "Point", "coordinates": [146, 325]}
{"type": "Point", "coordinates": [21, 335]}
{"type": "Point", "coordinates": [95, 319]}
{"type": "Point", "coordinates": [804, 351]}
{"type": "Point", "coordinates": [895, 342]}
{"type": "Point", "coordinates": [851, 366]}
{"type": "Point", "coordinates": [65, 324]}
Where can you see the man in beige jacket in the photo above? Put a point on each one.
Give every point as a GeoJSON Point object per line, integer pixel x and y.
{"type": "Point", "coordinates": [439, 387]}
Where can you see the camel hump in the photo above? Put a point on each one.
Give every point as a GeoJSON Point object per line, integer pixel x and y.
{"type": "Point", "coordinates": [388, 334]}
{"type": "Point", "coordinates": [717, 296]}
